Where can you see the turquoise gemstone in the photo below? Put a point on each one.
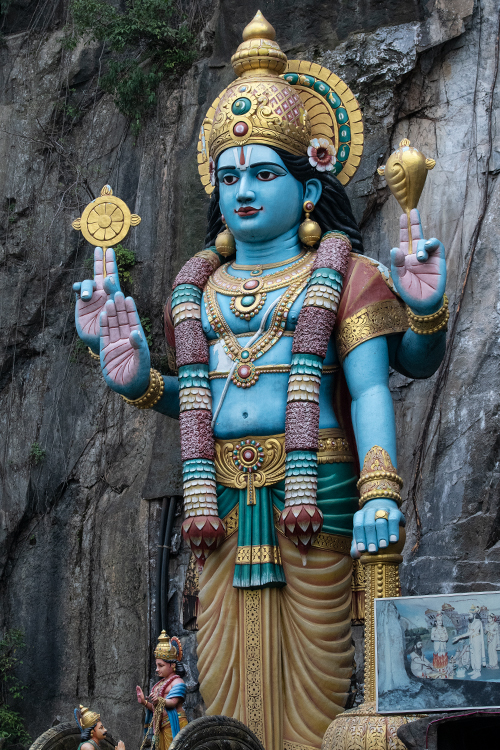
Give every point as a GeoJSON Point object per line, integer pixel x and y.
{"type": "Point", "coordinates": [245, 354]}
{"type": "Point", "coordinates": [338, 166]}
{"type": "Point", "coordinates": [292, 78]}
{"type": "Point", "coordinates": [341, 115]}
{"type": "Point", "coordinates": [248, 300]}
{"type": "Point", "coordinates": [321, 88]}
{"type": "Point", "coordinates": [308, 81]}
{"type": "Point", "coordinates": [241, 106]}
{"type": "Point", "coordinates": [333, 100]}
{"type": "Point", "coordinates": [344, 134]}
{"type": "Point", "coordinates": [343, 153]}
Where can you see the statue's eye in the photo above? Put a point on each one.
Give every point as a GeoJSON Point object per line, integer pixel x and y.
{"type": "Point", "coordinates": [229, 179]}
{"type": "Point", "coordinates": [266, 176]}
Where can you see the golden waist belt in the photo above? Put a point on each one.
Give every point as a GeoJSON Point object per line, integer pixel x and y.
{"type": "Point", "coordinates": [260, 461]}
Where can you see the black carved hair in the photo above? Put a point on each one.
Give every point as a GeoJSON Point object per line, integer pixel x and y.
{"type": "Point", "coordinates": [86, 734]}
{"type": "Point", "coordinates": [179, 667]}
{"type": "Point", "coordinates": [333, 210]}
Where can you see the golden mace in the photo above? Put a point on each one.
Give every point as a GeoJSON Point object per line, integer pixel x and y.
{"type": "Point", "coordinates": [405, 173]}
{"type": "Point", "coordinates": [105, 222]}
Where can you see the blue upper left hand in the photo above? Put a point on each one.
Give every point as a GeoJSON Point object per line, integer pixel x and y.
{"type": "Point", "coordinates": [420, 278]}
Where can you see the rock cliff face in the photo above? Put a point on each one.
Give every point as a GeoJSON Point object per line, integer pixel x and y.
{"type": "Point", "coordinates": [79, 528]}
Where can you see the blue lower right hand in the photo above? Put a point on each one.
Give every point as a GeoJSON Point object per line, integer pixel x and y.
{"type": "Point", "coordinates": [371, 534]}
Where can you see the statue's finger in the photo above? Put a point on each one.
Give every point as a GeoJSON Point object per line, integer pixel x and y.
{"type": "Point", "coordinates": [370, 530]}
{"type": "Point", "coordinates": [87, 289]}
{"type": "Point", "coordinates": [359, 530]}
{"type": "Point", "coordinates": [114, 328]}
{"type": "Point", "coordinates": [404, 242]}
{"type": "Point", "coordinates": [398, 259]}
{"type": "Point", "coordinates": [394, 521]}
{"type": "Point", "coordinates": [121, 312]}
{"type": "Point", "coordinates": [136, 339]}
{"type": "Point", "coordinates": [422, 254]}
{"type": "Point", "coordinates": [103, 320]}
{"type": "Point", "coordinates": [416, 225]}
{"type": "Point", "coordinates": [110, 286]}
{"type": "Point", "coordinates": [111, 266]}
{"type": "Point", "coordinates": [98, 267]}
{"type": "Point", "coordinates": [382, 529]}
{"type": "Point", "coordinates": [77, 286]}
{"type": "Point", "coordinates": [354, 550]}
{"type": "Point", "coordinates": [133, 316]}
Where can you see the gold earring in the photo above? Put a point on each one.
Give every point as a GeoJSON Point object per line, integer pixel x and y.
{"type": "Point", "coordinates": [309, 230]}
{"type": "Point", "coordinates": [224, 242]}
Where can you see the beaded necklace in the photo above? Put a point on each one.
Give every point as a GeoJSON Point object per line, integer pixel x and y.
{"type": "Point", "coordinates": [245, 374]}
{"type": "Point", "coordinates": [249, 295]}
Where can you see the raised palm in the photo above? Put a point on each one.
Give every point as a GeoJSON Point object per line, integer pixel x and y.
{"type": "Point", "coordinates": [92, 295]}
{"type": "Point", "coordinates": [125, 359]}
{"type": "Point", "coordinates": [420, 278]}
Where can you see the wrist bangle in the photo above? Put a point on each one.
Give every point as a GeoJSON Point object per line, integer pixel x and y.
{"type": "Point", "coordinates": [427, 324]}
{"type": "Point", "coordinates": [379, 495]}
{"type": "Point", "coordinates": [94, 356]}
{"type": "Point", "coordinates": [153, 394]}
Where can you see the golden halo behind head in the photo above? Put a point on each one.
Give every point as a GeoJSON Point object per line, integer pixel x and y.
{"type": "Point", "coordinates": [282, 104]}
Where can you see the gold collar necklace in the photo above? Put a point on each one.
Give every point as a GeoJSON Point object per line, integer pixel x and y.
{"type": "Point", "coordinates": [257, 268]}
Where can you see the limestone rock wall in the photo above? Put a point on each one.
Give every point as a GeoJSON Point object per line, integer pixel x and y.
{"type": "Point", "coordinates": [79, 529]}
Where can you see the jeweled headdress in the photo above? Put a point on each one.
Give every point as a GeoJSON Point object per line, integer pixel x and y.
{"type": "Point", "coordinates": [282, 104]}
{"type": "Point", "coordinates": [168, 649]}
{"type": "Point", "coordinates": [85, 718]}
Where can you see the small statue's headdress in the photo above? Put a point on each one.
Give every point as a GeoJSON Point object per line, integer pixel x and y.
{"type": "Point", "coordinates": [294, 105]}
{"type": "Point", "coordinates": [85, 718]}
{"type": "Point", "coordinates": [475, 609]}
{"type": "Point", "coordinates": [168, 649]}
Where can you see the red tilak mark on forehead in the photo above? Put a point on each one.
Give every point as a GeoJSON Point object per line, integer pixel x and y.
{"type": "Point", "coordinates": [242, 157]}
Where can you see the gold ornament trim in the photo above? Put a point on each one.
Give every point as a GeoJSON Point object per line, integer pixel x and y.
{"type": "Point", "coordinates": [106, 221]}
{"type": "Point", "coordinates": [262, 369]}
{"type": "Point", "coordinates": [312, 78]}
{"type": "Point", "coordinates": [153, 394]}
{"type": "Point", "coordinates": [261, 553]}
{"type": "Point", "coordinates": [427, 324]}
{"type": "Point", "coordinates": [333, 447]}
{"type": "Point", "coordinates": [379, 478]}
{"type": "Point", "coordinates": [380, 319]}
{"type": "Point", "coordinates": [253, 671]}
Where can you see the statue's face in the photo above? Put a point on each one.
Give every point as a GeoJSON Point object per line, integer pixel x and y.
{"type": "Point", "coordinates": [99, 732]}
{"type": "Point", "coordinates": [259, 198]}
{"type": "Point", "coordinates": [164, 668]}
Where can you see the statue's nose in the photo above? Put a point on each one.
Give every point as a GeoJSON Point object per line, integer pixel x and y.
{"type": "Point", "coordinates": [245, 194]}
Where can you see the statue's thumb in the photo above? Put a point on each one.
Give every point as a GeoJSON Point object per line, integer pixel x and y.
{"type": "Point", "coordinates": [136, 339]}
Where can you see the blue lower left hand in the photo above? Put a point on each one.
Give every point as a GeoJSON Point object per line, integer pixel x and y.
{"type": "Point", "coordinates": [372, 534]}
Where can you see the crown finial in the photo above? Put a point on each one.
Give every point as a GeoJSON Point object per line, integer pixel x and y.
{"type": "Point", "coordinates": [259, 28]}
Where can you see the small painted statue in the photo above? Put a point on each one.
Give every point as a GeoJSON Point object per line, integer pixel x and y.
{"type": "Point", "coordinates": [92, 731]}
{"type": "Point", "coordinates": [170, 691]}
{"type": "Point", "coordinates": [284, 334]}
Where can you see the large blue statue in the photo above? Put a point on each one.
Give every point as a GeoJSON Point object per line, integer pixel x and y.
{"type": "Point", "coordinates": [283, 354]}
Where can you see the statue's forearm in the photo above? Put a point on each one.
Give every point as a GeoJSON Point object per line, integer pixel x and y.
{"type": "Point", "coordinates": [416, 355]}
{"type": "Point", "coordinates": [367, 372]}
{"type": "Point", "coordinates": [169, 402]}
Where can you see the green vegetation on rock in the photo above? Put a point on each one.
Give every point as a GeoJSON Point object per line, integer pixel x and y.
{"type": "Point", "coordinates": [11, 722]}
{"type": "Point", "coordinates": [149, 40]}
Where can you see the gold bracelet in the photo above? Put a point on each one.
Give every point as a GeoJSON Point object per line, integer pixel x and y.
{"type": "Point", "coordinates": [427, 324]}
{"type": "Point", "coordinates": [379, 494]}
{"type": "Point", "coordinates": [153, 394]}
{"type": "Point", "coordinates": [371, 476]}
{"type": "Point", "coordinates": [94, 356]}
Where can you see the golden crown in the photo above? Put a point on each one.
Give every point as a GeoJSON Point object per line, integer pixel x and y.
{"type": "Point", "coordinates": [280, 103]}
{"type": "Point", "coordinates": [168, 649]}
{"type": "Point", "coordinates": [87, 718]}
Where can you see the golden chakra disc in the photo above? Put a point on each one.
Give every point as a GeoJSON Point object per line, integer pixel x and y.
{"type": "Point", "coordinates": [106, 221]}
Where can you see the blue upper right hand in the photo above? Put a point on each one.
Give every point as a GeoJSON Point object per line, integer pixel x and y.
{"type": "Point", "coordinates": [92, 295]}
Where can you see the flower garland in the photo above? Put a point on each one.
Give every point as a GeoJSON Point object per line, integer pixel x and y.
{"type": "Point", "coordinates": [301, 519]}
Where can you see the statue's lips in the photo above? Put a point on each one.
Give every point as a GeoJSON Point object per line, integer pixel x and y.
{"type": "Point", "coordinates": [247, 211]}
